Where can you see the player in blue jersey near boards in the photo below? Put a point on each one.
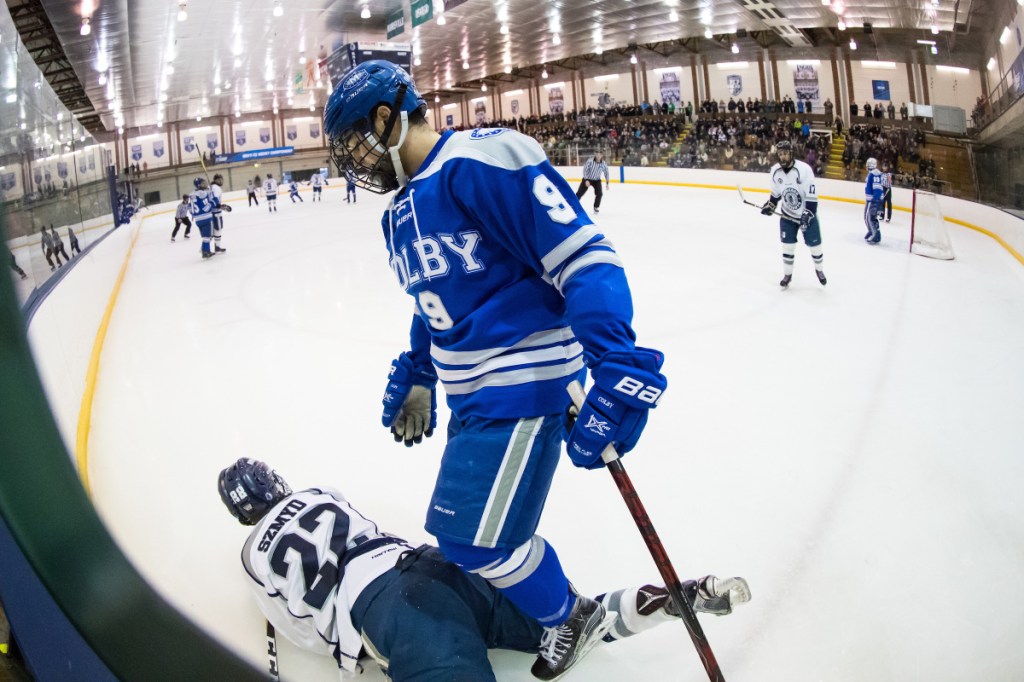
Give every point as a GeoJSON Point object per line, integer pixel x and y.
{"type": "Point", "coordinates": [517, 293]}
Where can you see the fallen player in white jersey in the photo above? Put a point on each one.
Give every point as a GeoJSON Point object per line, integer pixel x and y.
{"type": "Point", "coordinates": [331, 582]}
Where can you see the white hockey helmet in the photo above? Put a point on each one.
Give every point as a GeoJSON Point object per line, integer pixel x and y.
{"type": "Point", "coordinates": [871, 164]}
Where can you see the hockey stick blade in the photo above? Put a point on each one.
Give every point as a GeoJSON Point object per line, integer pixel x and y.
{"type": "Point", "coordinates": [656, 548]}
{"type": "Point", "coordinates": [272, 668]}
{"type": "Point", "coordinates": [743, 197]}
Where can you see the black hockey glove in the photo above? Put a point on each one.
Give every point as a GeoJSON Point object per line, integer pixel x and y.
{"type": "Point", "coordinates": [769, 207]}
{"type": "Point", "coordinates": [805, 219]}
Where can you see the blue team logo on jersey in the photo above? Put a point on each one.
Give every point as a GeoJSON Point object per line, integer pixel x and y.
{"type": "Point", "coordinates": [484, 133]}
{"type": "Point", "coordinates": [792, 200]}
{"type": "Point", "coordinates": [355, 79]}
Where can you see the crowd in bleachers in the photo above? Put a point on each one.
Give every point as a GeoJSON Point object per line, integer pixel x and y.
{"type": "Point", "coordinates": [738, 134]}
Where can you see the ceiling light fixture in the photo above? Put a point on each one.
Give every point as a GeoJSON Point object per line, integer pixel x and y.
{"type": "Point", "coordinates": [673, 16]}
{"type": "Point", "coordinates": [508, 69]}
{"type": "Point", "coordinates": [103, 78]}
{"type": "Point", "coordinates": [935, 50]}
{"type": "Point", "coordinates": [544, 73]}
{"type": "Point", "coordinates": [556, 39]}
{"type": "Point", "coordinates": [708, 34]}
{"type": "Point", "coordinates": [417, 61]}
{"type": "Point", "coordinates": [991, 64]}
{"type": "Point", "coordinates": [735, 48]}
{"type": "Point", "coordinates": [278, 10]}
{"type": "Point", "coordinates": [302, 59]}
{"type": "Point", "coordinates": [935, 29]}
{"type": "Point", "coordinates": [182, 14]}
{"type": "Point", "coordinates": [365, 14]}
{"type": "Point", "coordinates": [238, 62]}
{"type": "Point", "coordinates": [632, 58]}
{"type": "Point", "coordinates": [169, 70]}
{"type": "Point", "coordinates": [465, 64]}
{"type": "Point", "coordinates": [86, 27]}
{"type": "Point", "coordinates": [437, 98]}
{"type": "Point", "coordinates": [483, 87]}
{"type": "Point", "coordinates": [441, 21]}
{"type": "Point", "coordinates": [842, 25]}
{"type": "Point", "coordinates": [853, 44]}
{"type": "Point", "coordinates": [503, 30]}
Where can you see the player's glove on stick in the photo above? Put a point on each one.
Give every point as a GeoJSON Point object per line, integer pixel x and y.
{"type": "Point", "coordinates": [805, 219]}
{"type": "Point", "coordinates": [410, 401]}
{"type": "Point", "coordinates": [768, 208]}
{"type": "Point", "coordinates": [626, 387]}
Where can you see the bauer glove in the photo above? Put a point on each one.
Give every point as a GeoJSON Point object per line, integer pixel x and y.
{"type": "Point", "coordinates": [626, 386]}
{"type": "Point", "coordinates": [410, 401]}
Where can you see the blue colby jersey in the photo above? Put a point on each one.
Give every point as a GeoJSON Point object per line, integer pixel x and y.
{"type": "Point", "coordinates": [515, 287]}
{"type": "Point", "coordinates": [202, 205]}
{"type": "Point", "coordinates": [873, 189]}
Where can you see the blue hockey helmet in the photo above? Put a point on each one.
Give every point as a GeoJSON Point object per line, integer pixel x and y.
{"type": "Point", "coordinates": [249, 489]}
{"type": "Point", "coordinates": [784, 152]}
{"type": "Point", "coordinates": [349, 115]}
{"type": "Point", "coordinates": [199, 183]}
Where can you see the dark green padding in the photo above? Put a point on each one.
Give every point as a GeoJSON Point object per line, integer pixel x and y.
{"type": "Point", "coordinates": [131, 628]}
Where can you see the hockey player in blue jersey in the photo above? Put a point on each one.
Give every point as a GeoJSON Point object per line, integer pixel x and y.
{"type": "Point", "coordinates": [793, 192]}
{"type": "Point", "coordinates": [517, 292]}
{"type": "Point", "coordinates": [202, 201]}
{"type": "Point", "coordinates": [874, 193]}
{"type": "Point", "coordinates": [293, 192]}
{"type": "Point", "coordinates": [350, 186]}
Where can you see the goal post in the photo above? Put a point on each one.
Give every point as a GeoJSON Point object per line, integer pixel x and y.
{"type": "Point", "coordinates": [929, 235]}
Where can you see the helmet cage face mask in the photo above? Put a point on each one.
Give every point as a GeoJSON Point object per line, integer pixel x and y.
{"type": "Point", "coordinates": [358, 149]}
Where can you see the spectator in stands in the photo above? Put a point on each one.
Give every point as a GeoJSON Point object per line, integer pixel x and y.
{"type": "Point", "coordinates": [891, 110]}
{"type": "Point", "coordinates": [879, 111]}
{"type": "Point", "coordinates": [867, 110]}
{"type": "Point", "coordinates": [689, 112]}
{"type": "Point", "coordinates": [828, 112]}
{"type": "Point", "coordinates": [799, 106]}
{"type": "Point", "coordinates": [839, 125]}
{"type": "Point", "coordinates": [904, 113]}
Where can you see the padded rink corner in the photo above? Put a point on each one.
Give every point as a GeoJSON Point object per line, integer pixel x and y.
{"type": "Point", "coordinates": [852, 450]}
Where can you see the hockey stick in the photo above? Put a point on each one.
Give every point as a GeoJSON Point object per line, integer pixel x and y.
{"type": "Point", "coordinates": [658, 553]}
{"type": "Point", "coordinates": [743, 198]}
{"type": "Point", "coordinates": [272, 652]}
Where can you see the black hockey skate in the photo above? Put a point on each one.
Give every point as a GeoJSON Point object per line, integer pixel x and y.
{"type": "Point", "coordinates": [217, 249]}
{"type": "Point", "coordinates": [785, 281]}
{"type": "Point", "coordinates": [564, 646]}
{"type": "Point", "coordinates": [208, 254]}
{"type": "Point", "coordinates": [821, 277]}
{"type": "Point", "coordinates": [651, 598]}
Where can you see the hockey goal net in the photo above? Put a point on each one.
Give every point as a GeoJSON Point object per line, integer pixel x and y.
{"type": "Point", "coordinates": [929, 235]}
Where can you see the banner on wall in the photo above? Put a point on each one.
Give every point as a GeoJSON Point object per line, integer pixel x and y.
{"type": "Point", "coordinates": [449, 120]}
{"type": "Point", "coordinates": [515, 107]}
{"type": "Point", "coordinates": [46, 174]}
{"type": "Point", "coordinates": [556, 101]}
{"type": "Point", "coordinates": [158, 148]}
{"type": "Point", "coordinates": [264, 135]}
{"type": "Point", "coordinates": [805, 82]}
{"type": "Point", "coordinates": [81, 165]}
{"type": "Point", "coordinates": [37, 175]}
{"type": "Point", "coordinates": [669, 86]}
{"type": "Point", "coordinates": [62, 170]}
{"type": "Point", "coordinates": [291, 132]}
{"type": "Point", "coordinates": [481, 113]}
{"type": "Point", "coordinates": [734, 83]}
{"type": "Point", "coordinates": [1017, 75]}
{"type": "Point", "coordinates": [314, 130]}
{"type": "Point", "coordinates": [880, 90]}
{"type": "Point", "coordinates": [136, 152]}
{"type": "Point", "coordinates": [211, 141]}
{"type": "Point", "coordinates": [92, 162]}
{"type": "Point", "coordinates": [190, 144]}
{"type": "Point", "coordinates": [7, 182]}
{"type": "Point", "coordinates": [240, 138]}
{"type": "Point", "coordinates": [254, 154]}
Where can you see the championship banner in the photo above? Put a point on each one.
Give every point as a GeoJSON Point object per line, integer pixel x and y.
{"type": "Point", "coordinates": [264, 135]}
{"type": "Point", "coordinates": [422, 12]}
{"type": "Point", "coordinates": [669, 86]}
{"type": "Point", "coordinates": [734, 82]}
{"type": "Point", "coordinates": [81, 165]}
{"type": "Point", "coordinates": [314, 130]}
{"type": "Point", "coordinates": [805, 81]}
{"type": "Point", "coordinates": [556, 102]}
{"type": "Point", "coordinates": [481, 113]}
{"type": "Point", "coordinates": [37, 175]}
{"type": "Point", "coordinates": [7, 182]}
{"type": "Point", "coordinates": [62, 170]}
{"type": "Point", "coordinates": [880, 90]}
{"type": "Point", "coordinates": [515, 107]}
{"type": "Point", "coordinates": [189, 144]}
{"type": "Point", "coordinates": [158, 148]}
{"type": "Point", "coordinates": [136, 152]}
{"type": "Point", "coordinates": [396, 23]}
{"type": "Point", "coordinates": [211, 141]}
{"type": "Point", "coordinates": [240, 138]}
{"type": "Point", "coordinates": [92, 162]}
{"type": "Point", "coordinates": [292, 132]}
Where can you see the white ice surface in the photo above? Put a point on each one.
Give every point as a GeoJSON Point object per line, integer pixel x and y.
{"type": "Point", "coordinates": [853, 450]}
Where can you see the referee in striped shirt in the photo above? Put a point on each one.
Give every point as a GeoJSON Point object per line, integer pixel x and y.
{"type": "Point", "coordinates": [593, 169]}
{"type": "Point", "coordinates": [887, 195]}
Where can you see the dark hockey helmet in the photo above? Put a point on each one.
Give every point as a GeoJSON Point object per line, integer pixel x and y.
{"type": "Point", "coordinates": [249, 489]}
{"type": "Point", "coordinates": [199, 183]}
{"type": "Point", "coordinates": [784, 153]}
{"type": "Point", "coordinates": [218, 179]}
{"type": "Point", "coordinates": [349, 115]}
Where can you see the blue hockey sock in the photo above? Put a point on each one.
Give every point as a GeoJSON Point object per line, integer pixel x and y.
{"type": "Point", "coordinates": [530, 576]}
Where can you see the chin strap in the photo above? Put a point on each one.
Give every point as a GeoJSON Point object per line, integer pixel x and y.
{"type": "Point", "coordinates": [396, 160]}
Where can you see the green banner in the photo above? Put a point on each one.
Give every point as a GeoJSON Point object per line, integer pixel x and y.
{"type": "Point", "coordinates": [396, 23]}
{"type": "Point", "coordinates": [422, 11]}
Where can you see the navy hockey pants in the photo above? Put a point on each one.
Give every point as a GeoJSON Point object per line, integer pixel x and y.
{"type": "Point", "coordinates": [428, 621]}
